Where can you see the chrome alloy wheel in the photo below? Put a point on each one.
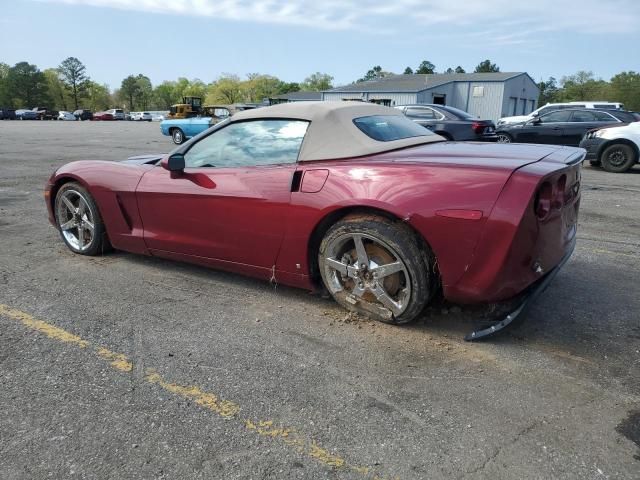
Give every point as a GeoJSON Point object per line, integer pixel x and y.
{"type": "Point", "coordinates": [367, 269]}
{"type": "Point", "coordinates": [75, 219]}
{"type": "Point", "coordinates": [504, 138]}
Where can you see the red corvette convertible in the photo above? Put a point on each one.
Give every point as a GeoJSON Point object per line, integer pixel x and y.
{"type": "Point", "coordinates": [348, 196]}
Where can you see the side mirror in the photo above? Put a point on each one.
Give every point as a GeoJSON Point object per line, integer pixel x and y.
{"type": "Point", "coordinates": [173, 163]}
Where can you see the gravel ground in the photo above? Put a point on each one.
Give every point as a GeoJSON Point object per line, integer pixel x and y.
{"type": "Point", "coordinates": [180, 372]}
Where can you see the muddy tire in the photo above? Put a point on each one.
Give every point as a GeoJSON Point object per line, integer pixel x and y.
{"type": "Point", "coordinates": [79, 222]}
{"type": "Point", "coordinates": [618, 158]}
{"type": "Point", "coordinates": [376, 267]}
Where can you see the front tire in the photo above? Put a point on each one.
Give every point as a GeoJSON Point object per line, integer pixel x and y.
{"type": "Point", "coordinates": [177, 136]}
{"type": "Point", "coordinates": [376, 267]}
{"type": "Point", "coordinates": [79, 222]}
{"type": "Point", "coordinates": [618, 158]}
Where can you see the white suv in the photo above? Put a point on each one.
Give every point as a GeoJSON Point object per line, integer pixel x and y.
{"type": "Point", "coordinates": [616, 149]}
{"type": "Point", "coordinates": [559, 106]}
{"type": "Point", "coordinates": [141, 116]}
{"type": "Point", "coordinates": [118, 113]}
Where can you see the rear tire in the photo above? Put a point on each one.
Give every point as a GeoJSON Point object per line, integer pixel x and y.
{"type": "Point", "coordinates": [376, 267]}
{"type": "Point", "coordinates": [504, 137]}
{"type": "Point", "coordinates": [79, 222]}
{"type": "Point", "coordinates": [177, 136]}
{"type": "Point", "coordinates": [618, 158]}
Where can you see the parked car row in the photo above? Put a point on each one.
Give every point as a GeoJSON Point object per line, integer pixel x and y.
{"type": "Point", "coordinates": [38, 113]}
{"type": "Point", "coordinates": [561, 127]}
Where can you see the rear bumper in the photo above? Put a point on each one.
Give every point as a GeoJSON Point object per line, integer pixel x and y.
{"type": "Point", "coordinates": [527, 298]}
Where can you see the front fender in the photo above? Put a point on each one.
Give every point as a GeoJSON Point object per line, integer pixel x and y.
{"type": "Point", "coordinates": [112, 185]}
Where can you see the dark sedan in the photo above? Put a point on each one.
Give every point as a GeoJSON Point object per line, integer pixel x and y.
{"type": "Point", "coordinates": [451, 123]}
{"type": "Point", "coordinates": [561, 127]}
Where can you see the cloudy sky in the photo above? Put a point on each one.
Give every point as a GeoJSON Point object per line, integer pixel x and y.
{"type": "Point", "coordinates": [202, 39]}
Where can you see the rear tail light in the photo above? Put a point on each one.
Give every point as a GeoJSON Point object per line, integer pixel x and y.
{"type": "Point", "coordinates": [559, 197]}
{"type": "Point", "coordinates": [478, 127]}
{"type": "Point", "coordinates": [543, 200]}
{"type": "Point", "coordinates": [550, 196]}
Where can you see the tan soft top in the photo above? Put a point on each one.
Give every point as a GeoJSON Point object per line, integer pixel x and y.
{"type": "Point", "coordinates": [332, 133]}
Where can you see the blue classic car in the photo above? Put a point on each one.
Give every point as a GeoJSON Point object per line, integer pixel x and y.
{"type": "Point", "coordinates": [182, 129]}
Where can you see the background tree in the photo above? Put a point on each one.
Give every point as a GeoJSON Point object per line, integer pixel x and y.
{"type": "Point", "coordinates": [144, 92]}
{"type": "Point", "coordinates": [226, 89]}
{"type": "Point", "coordinates": [374, 73]}
{"type": "Point", "coordinates": [549, 91]}
{"type": "Point", "coordinates": [5, 100]}
{"type": "Point", "coordinates": [408, 71]}
{"type": "Point", "coordinates": [74, 75]}
{"type": "Point", "coordinates": [129, 91]}
{"type": "Point", "coordinates": [625, 88]}
{"type": "Point", "coordinates": [459, 69]}
{"type": "Point", "coordinates": [426, 67]}
{"type": "Point", "coordinates": [486, 67]}
{"type": "Point", "coordinates": [27, 86]}
{"type": "Point", "coordinates": [165, 95]}
{"type": "Point", "coordinates": [57, 90]}
{"type": "Point", "coordinates": [289, 87]}
{"type": "Point", "coordinates": [583, 86]}
{"type": "Point", "coordinates": [316, 82]}
{"type": "Point", "coordinates": [258, 87]}
{"type": "Point", "coordinates": [194, 88]}
{"type": "Point", "coordinates": [97, 97]}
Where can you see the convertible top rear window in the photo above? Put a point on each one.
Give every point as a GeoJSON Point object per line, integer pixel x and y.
{"type": "Point", "coordinates": [387, 128]}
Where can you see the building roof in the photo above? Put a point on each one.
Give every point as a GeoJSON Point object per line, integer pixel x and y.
{"type": "Point", "coordinates": [417, 82]}
{"type": "Point", "coordinates": [300, 96]}
{"type": "Point", "coordinates": [332, 134]}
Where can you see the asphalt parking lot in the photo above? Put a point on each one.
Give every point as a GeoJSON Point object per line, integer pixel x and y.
{"type": "Point", "coordinates": [125, 366]}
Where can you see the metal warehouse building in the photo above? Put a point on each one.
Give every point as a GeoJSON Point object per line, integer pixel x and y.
{"type": "Point", "coordinates": [487, 95]}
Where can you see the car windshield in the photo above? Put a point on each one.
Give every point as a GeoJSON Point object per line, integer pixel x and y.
{"type": "Point", "coordinates": [457, 112]}
{"type": "Point", "coordinates": [386, 128]}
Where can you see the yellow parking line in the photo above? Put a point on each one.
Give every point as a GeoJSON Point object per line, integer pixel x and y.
{"type": "Point", "coordinates": [223, 408]}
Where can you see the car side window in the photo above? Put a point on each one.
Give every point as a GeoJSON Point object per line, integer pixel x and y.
{"type": "Point", "coordinates": [425, 113]}
{"type": "Point", "coordinates": [605, 117]}
{"type": "Point", "coordinates": [583, 117]}
{"type": "Point", "coordinates": [556, 117]}
{"type": "Point", "coordinates": [247, 144]}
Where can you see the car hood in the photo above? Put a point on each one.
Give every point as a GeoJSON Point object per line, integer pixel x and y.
{"type": "Point", "coordinates": [515, 119]}
{"type": "Point", "coordinates": [149, 159]}
{"type": "Point", "coordinates": [481, 154]}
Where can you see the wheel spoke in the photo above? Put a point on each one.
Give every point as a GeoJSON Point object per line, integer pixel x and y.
{"type": "Point", "coordinates": [70, 206]}
{"type": "Point", "coordinates": [68, 225]}
{"type": "Point", "coordinates": [80, 236]}
{"type": "Point", "coordinates": [388, 269]}
{"type": "Point", "coordinates": [384, 298]}
{"type": "Point", "coordinates": [336, 265]}
{"type": "Point", "coordinates": [363, 259]}
{"type": "Point", "coordinates": [89, 225]}
{"type": "Point", "coordinates": [82, 206]}
{"type": "Point", "coordinates": [358, 291]}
